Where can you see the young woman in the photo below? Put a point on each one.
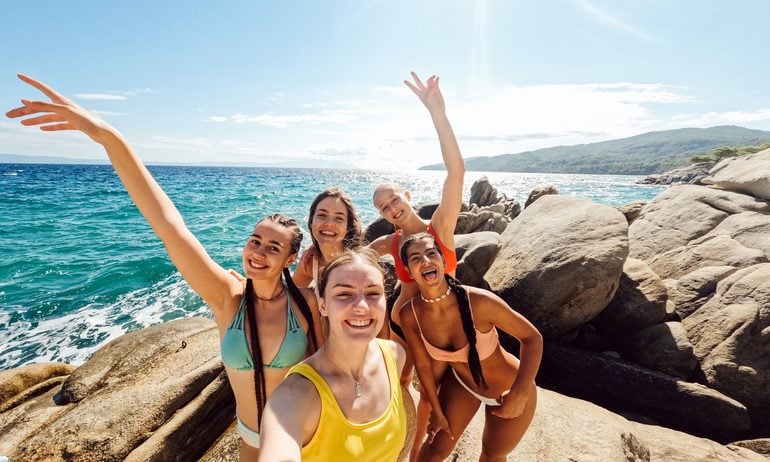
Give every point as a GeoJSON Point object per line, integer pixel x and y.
{"type": "Point", "coordinates": [393, 203]}
{"type": "Point", "coordinates": [345, 402]}
{"type": "Point", "coordinates": [266, 325]}
{"type": "Point", "coordinates": [455, 325]}
{"type": "Point", "coordinates": [334, 228]}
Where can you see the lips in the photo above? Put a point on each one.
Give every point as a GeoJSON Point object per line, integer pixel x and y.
{"type": "Point", "coordinates": [327, 233]}
{"type": "Point", "coordinates": [430, 275]}
{"type": "Point", "coordinates": [358, 323]}
{"type": "Point", "coordinates": [256, 265]}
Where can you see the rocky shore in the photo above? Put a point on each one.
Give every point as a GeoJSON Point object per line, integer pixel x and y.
{"type": "Point", "coordinates": [656, 318]}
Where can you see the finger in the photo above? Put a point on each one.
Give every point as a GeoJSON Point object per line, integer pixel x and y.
{"type": "Point", "coordinates": [57, 127]}
{"type": "Point", "coordinates": [31, 107]}
{"type": "Point", "coordinates": [417, 81]}
{"type": "Point", "coordinates": [45, 89]}
{"type": "Point", "coordinates": [25, 110]}
{"type": "Point", "coordinates": [43, 119]}
{"type": "Point", "coordinates": [412, 87]}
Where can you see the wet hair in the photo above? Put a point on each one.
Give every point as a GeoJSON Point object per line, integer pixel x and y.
{"type": "Point", "coordinates": [463, 305]}
{"type": "Point", "coordinates": [251, 312]}
{"type": "Point", "coordinates": [352, 239]}
{"type": "Point", "coordinates": [362, 254]}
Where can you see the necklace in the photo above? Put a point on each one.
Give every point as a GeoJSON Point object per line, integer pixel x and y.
{"type": "Point", "coordinates": [434, 300]}
{"type": "Point", "coordinates": [283, 288]}
{"type": "Point", "coordinates": [357, 389]}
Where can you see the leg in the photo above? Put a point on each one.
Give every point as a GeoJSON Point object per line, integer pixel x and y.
{"type": "Point", "coordinates": [459, 408]}
{"type": "Point", "coordinates": [248, 453]}
{"type": "Point", "coordinates": [502, 435]}
{"type": "Point", "coordinates": [423, 411]}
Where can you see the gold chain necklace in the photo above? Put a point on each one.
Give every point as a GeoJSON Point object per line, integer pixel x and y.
{"type": "Point", "coordinates": [357, 389]}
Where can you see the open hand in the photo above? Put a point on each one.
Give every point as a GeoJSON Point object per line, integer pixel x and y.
{"type": "Point", "coordinates": [59, 114]}
{"type": "Point", "coordinates": [429, 93]}
{"type": "Point", "coordinates": [437, 424]}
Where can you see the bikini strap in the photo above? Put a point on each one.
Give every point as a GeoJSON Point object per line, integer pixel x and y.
{"type": "Point", "coordinates": [292, 323]}
{"type": "Point", "coordinates": [238, 320]}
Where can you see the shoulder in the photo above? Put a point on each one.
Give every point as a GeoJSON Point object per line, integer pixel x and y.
{"type": "Point", "coordinates": [399, 354]}
{"type": "Point", "coordinates": [485, 304]}
{"type": "Point", "coordinates": [382, 244]}
{"type": "Point", "coordinates": [309, 297]}
{"type": "Point", "coordinates": [282, 417]}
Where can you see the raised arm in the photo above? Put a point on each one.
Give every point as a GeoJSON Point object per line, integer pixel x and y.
{"type": "Point", "coordinates": [445, 217]}
{"type": "Point", "coordinates": [285, 425]}
{"type": "Point", "coordinates": [491, 308]}
{"type": "Point", "coordinates": [207, 278]}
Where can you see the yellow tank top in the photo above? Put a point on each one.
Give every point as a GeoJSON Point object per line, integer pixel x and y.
{"type": "Point", "coordinates": [336, 438]}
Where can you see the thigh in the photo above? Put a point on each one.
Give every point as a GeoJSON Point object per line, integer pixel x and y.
{"type": "Point", "coordinates": [502, 435]}
{"type": "Point", "coordinates": [459, 407]}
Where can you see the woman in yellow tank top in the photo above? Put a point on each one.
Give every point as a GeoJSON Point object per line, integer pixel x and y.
{"type": "Point", "coordinates": [344, 402]}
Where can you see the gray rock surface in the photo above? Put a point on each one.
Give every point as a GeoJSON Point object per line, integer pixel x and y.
{"type": "Point", "coordinates": [632, 210]}
{"type": "Point", "coordinates": [688, 174]}
{"type": "Point", "coordinates": [475, 254]}
{"type": "Point", "coordinates": [22, 383]}
{"type": "Point", "coordinates": [539, 192]}
{"type": "Point", "coordinates": [694, 289]}
{"type": "Point", "coordinates": [749, 174]}
{"type": "Point", "coordinates": [560, 262]}
{"type": "Point", "coordinates": [663, 347]}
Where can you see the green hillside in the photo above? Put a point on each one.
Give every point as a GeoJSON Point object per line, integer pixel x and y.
{"type": "Point", "coordinates": [644, 154]}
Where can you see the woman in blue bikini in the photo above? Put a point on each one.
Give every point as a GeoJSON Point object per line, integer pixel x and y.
{"type": "Point", "coordinates": [256, 359]}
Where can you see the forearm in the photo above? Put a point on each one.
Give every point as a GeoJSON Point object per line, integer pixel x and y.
{"type": "Point", "coordinates": [450, 150]}
{"type": "Point", "coordinates": [531, 353]}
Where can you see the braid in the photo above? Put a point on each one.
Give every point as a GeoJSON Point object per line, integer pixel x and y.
{"type": "Point", "coordinates": [296, 294]}
{"type": "Point", "coordinates": [256, 351]}
{"type": "Point", "coordinates": [474, 363]}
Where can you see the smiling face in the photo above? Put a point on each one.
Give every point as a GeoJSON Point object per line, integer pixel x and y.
{"type": "Point", "coordinates": [393, 203]}
{"type": "Point", "coordinates": [268, 251]}
{"type": "Point", "coordinates": [329, 222]}
{"type": "Point", "coordinates": [353, 299]}
{"type": "Point", "coordinates": [424, 261]}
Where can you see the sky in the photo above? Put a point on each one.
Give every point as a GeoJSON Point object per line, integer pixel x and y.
{"type": "Point", "coordinates": [320, 83]}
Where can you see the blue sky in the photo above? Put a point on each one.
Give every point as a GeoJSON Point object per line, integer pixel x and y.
{"type": "Point", "coordinates": [318, 83]}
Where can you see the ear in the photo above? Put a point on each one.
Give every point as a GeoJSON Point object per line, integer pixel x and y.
{"type": "Point", "coordinates": [408, 196]}
{"type": "Point", "coordinates": [322, 308]}
{"type": "Point", "coordinates": [291, 260]}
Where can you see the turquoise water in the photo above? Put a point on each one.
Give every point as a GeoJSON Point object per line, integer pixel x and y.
{"type": "Point", "coordinates": [80, 266]}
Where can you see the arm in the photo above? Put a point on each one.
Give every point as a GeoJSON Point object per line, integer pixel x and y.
{"type": "Point", "coordinates": [312, 303]}
{"type": "Point", "coordinates": [444, 219]}
{"type": "Point", "coordinates": [492, 309]}
{"type": "Point", "coordinates": [303, 275]}
{"type": "Point", "coordinates": [423, 364]}
{"type": "Point", "coordinates": [207, 278]}
{"type": "Point", "coordinates": [286, 426]}
{"type": "Point", "coordinates": [382, 244]}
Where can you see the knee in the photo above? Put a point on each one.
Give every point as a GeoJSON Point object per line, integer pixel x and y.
{"type": "Point", "coordinates": [438, 450]}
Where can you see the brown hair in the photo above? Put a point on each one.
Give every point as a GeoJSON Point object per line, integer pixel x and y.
{"type": "Point", "coordinates": [353, 234]}
{"type": "Point", "coordinates": [363, 254]}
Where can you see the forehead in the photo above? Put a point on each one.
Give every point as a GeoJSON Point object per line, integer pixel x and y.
{"type": "Point", "coordinates": [332, 205]}
{"type": "Point", "coordinates": [384, 192]}
{"type": "Point", "coordinates": [421, 245]}
{"type": "Point", "coordinates": [270, 230]}
{"type": "Point", "coordinates": [355, 273]}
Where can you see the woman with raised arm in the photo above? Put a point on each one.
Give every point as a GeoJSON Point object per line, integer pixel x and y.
{"type": "Point", "coordinates": [393, 203]}
{"type": "Point", "coordinates": [345, 402]}
{"type": "Point", "coordinates": [266, 325]}
{"type": "Point", "coordinates": [334, 228]}
{"type": "Point", "coordinates": [448, 323]}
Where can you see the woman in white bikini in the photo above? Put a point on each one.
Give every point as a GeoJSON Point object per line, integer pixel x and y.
{"type": "Point", "coordinates": [451, 325]}
{"type": "Point", "coordinates": [268, 317]}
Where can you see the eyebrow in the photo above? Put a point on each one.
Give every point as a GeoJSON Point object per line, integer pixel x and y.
{"type": "Point", "coordinates": [335, 213]}
{"type": "Point", "coordinates": [269, 242]}
{"type": "Point", "coordinates": [350, 286]}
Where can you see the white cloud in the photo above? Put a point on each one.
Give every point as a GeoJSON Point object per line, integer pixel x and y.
{"type": "Point", "coordinates": [100, 96]}
{"type": "Point", "coordinates": [711, 119]}
{"type": "Point", "coordinates": [271, 119]}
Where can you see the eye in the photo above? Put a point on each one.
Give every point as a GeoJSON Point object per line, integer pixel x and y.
{"type": "Point", "coordinates": [343, 295]}
{"type": "Point", "coordinates": [339, 220]}
{"type": "Point", "coordinates": [374, 294]}
{"type": "Point", "coordinates": [274, 249]}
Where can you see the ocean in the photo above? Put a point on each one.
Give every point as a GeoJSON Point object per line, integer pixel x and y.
{"type": "Point", "coordinates": [80, 266]}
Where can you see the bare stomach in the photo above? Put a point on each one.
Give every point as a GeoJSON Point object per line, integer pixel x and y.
{"type": "Point", "coordinates": [499, 371]}
{"type": "Point", "coordinates": [242, 384]}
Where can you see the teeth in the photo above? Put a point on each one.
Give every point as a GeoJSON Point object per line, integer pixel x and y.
{"type": "Point", "coordinates": [359, 322]}
{"type": "Point", "coordinates": [328, 233]}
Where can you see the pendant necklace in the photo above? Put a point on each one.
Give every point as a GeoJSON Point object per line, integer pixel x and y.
{"type": "Point", "coordinates": [440, 297]}
{"type": "Point", "coordinates": [357, 389]}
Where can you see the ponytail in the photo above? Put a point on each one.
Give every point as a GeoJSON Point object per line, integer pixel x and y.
{"type": "Point", "coordinates": [474, 363]}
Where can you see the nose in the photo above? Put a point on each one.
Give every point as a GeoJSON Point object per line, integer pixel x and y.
{"type": "Point", "coordinates": [359, 304]}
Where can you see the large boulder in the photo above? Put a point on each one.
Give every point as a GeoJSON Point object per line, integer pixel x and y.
{"type": "Point", "coordinates": [750, 229]}
{"type": "Point", "coordinates": [154, 386]}
{"type": "Point", "coordinates": [632, 210]}
{"type": "Point", "coordinates": [749, 174]}
{"type": "Point", "coordinates": [625, 387]}
{"type": "Point", "coordinates": [684, 213]}
{"type": "Point", "coordinates": [731, 338]}
{"type": "Point", "coordinates": [663, 347]}
{"type": "Point", "coordinates": [569, 429]}
{"type": "Point", "coordinates": [475, 254]}
{"type": "Point", "coordinates": [693, 290]}
{"type": "Point", "coordinates": [639, 302]}
{"type": "Point", "coordinates": [22, 383]}
{"type": "Point", "coordinates": [560, 262]}
{"type": "Point", "coordinates": [27, 418]}
{"type": "Point", "coordinates": [539, 192]}
{"type": "Point", "coordinates": [689, 174]}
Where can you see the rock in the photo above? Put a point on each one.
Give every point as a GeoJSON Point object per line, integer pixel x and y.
{"type": "Point", "coordinates": [227, 448]}
{"type": "Point", "coordinates": [569, 429]}
{"type": "Point", "coordinates": [731, 338]}
{"type": "Point", "coordinates": [560, 262]}
{"type": "Point", "coordinates": [750, 229]}
{"type": "Point", "coordinates": [759, 445]}
{"type": "Point", "coordinates": [711, 250]}
{"type": "Point", "coordinates": [166, 374]}
{"type": "Point", "coordinates": [684, 213]}
{"type": "Point", "coordinates": [689, 174]}
{"type": "Point", "coordinates": [484, 220]}
{"type": "Point", "coordinates": [749, 174]}
{"type": "Point", "coordinates": [632, 210]}
{"type": "Point", "coordinates": [19, 384]}
{"type": "Point", "coordinates": [664, 348]}
{"type": "Point", "coordinates": [694, 289]}
{"type": "Point", "coordinates": [539, 192]}
{"type": "Point", "coordinates": [26, 419]}
{"type": "Point", "coordinates": [622, 386]}
{"type": "Point", "coordinates": [639, 302]}
{"type": "Point", "coordinates": [475, 253]}
{"type": "Point", "coordinates": [377, 228]}
{"type": "Point", "coordinates": [483, 193]}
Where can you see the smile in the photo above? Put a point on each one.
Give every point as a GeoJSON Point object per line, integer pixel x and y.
{"type": "Point", "coordinates": [430, 275]}
{"type": "Point", "coordinates": [359, 322]}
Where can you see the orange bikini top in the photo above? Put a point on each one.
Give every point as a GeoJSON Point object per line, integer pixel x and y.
{"type": "Point", "coordinates": [403, 274]}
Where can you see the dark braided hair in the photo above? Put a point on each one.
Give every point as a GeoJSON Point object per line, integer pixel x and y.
{"type": "Point", "coordinates": [463, 305]}
{"type": "Point", "coordinates": [251, 312]}
{"type": "Point", "coordinates": [353, 234]}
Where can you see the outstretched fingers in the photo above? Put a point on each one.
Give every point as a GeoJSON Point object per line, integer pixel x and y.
{"type": "Point", "coordinates": [34, 107]}
{"type": "Point", "coordinates": [45, 89]}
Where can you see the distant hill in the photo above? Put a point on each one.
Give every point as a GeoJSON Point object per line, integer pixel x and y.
{"type": "Point", "coordinates": [644, 154]}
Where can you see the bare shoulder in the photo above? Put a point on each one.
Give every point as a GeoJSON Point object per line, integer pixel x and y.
{"type": "Point", "coordinates": [382, 244]}
{"type": "Point", "coordinates": [485, 303]}
{"type": "Point", "coordinates": [398, 352]}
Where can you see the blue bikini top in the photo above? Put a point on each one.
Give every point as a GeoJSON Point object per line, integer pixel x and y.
{"type": "Point", "coordinates": [236, 353]}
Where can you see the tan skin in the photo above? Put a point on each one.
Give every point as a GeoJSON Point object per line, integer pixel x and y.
{"type": "Point", "coordinates": [265, 255]}
{"type": "Point", "coordinates": [393, 204]}
{"type": "Point", "coordinates": [509, 381]}
{"type": "Point", "coordinates": [329, 227]}
{"type": "Point", "coordinates": [354, 293]}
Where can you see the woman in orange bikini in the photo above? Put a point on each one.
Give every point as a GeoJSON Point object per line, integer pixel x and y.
{"type": "Point", "coordinates": [450, 325]}
{"type": "Point", "coordinates": [393, 203]}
